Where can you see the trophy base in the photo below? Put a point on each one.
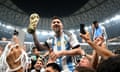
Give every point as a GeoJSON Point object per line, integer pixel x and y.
{"type": "Point", "coordinates": [31, 31]}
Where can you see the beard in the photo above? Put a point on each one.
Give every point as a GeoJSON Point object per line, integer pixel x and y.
{"type": "Point", "coordinates": [56, 29]}
{"type": "Point", "coordinates": [96, 27]}
{"type": "Point", "coordinates": [37, 70]}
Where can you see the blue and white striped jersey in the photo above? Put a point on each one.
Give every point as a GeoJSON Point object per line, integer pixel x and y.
{"type": "Point", "coordinates": [64, 42]}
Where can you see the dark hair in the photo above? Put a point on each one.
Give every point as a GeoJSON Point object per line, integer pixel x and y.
{"type": "Point", "coordinates": [84, 69]}
{"type": "Point", "coordinates": [35, 61]}
{"type": "Point", "coordinates": [82, 25]}
{"type": "Point", "coordinates": [117, 51]}
{"type": "Point", "coordinates": [112, 64]}
{"type": "Point", "coordinates": [56, 17]}
{"type": "Point", "coordinates": [54, 66]}
{"type": "Point", "coordinates": [33, 49]}
{"type": "Point", "coordinates": [94, 22]}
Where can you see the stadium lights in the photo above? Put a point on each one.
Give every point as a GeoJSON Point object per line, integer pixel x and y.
{"type": "Point", "coordinates": [24, 29]}
{"type": "Point", "coordinates": [37, 32]}
{"type": "Point", "coordinates": [44, 32]}
{"type": "Point", "coordinates": [115, 18]}
{"type": "Point", "coordinates": [71, 30]}
{"type": "Point", "coordinates": [9, 27]}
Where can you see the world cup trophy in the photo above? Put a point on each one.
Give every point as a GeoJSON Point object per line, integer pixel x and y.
{"type": "Point", "coordinates": [34, 19]}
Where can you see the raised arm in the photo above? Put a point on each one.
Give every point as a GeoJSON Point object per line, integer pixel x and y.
{"type": "Point", "coordinates": [34, 19]}
{"type": "Point", "coordinates": [95, 59]}
{"type": "Point", "coordinates": [37, 43]}
{"type": "Point", "coordinates": [101, 50]}
{"type": "Point", "coordinates": [72, 52]}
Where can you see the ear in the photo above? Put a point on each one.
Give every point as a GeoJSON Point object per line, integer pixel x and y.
{"type": "Point", "coordinates": [62, 26]}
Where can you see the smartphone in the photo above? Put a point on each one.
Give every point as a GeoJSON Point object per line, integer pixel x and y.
{"type": "Point", "coordinates": [82, 28]}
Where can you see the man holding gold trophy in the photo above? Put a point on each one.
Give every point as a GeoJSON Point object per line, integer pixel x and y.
{"type": "Point", "coordinates": [61, 48]}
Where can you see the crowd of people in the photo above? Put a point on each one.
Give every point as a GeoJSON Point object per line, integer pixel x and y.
{"type": "Point", "coordinates": [59, 52]}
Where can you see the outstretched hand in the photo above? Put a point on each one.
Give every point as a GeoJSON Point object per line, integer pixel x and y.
{"type": "Point", "coordinates": [99, 41]}
{"type": "Point", "coordinates": [86, 36]}
{"type": "Point", "coordinates": [52, 56]}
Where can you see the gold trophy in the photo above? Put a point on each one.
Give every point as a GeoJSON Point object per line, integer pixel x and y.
{"type": "Point", "coordinates": [34, 19]}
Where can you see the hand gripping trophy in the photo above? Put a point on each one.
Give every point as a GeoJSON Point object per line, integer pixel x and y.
{"type": "Point", "coordinates": [34, 19]}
